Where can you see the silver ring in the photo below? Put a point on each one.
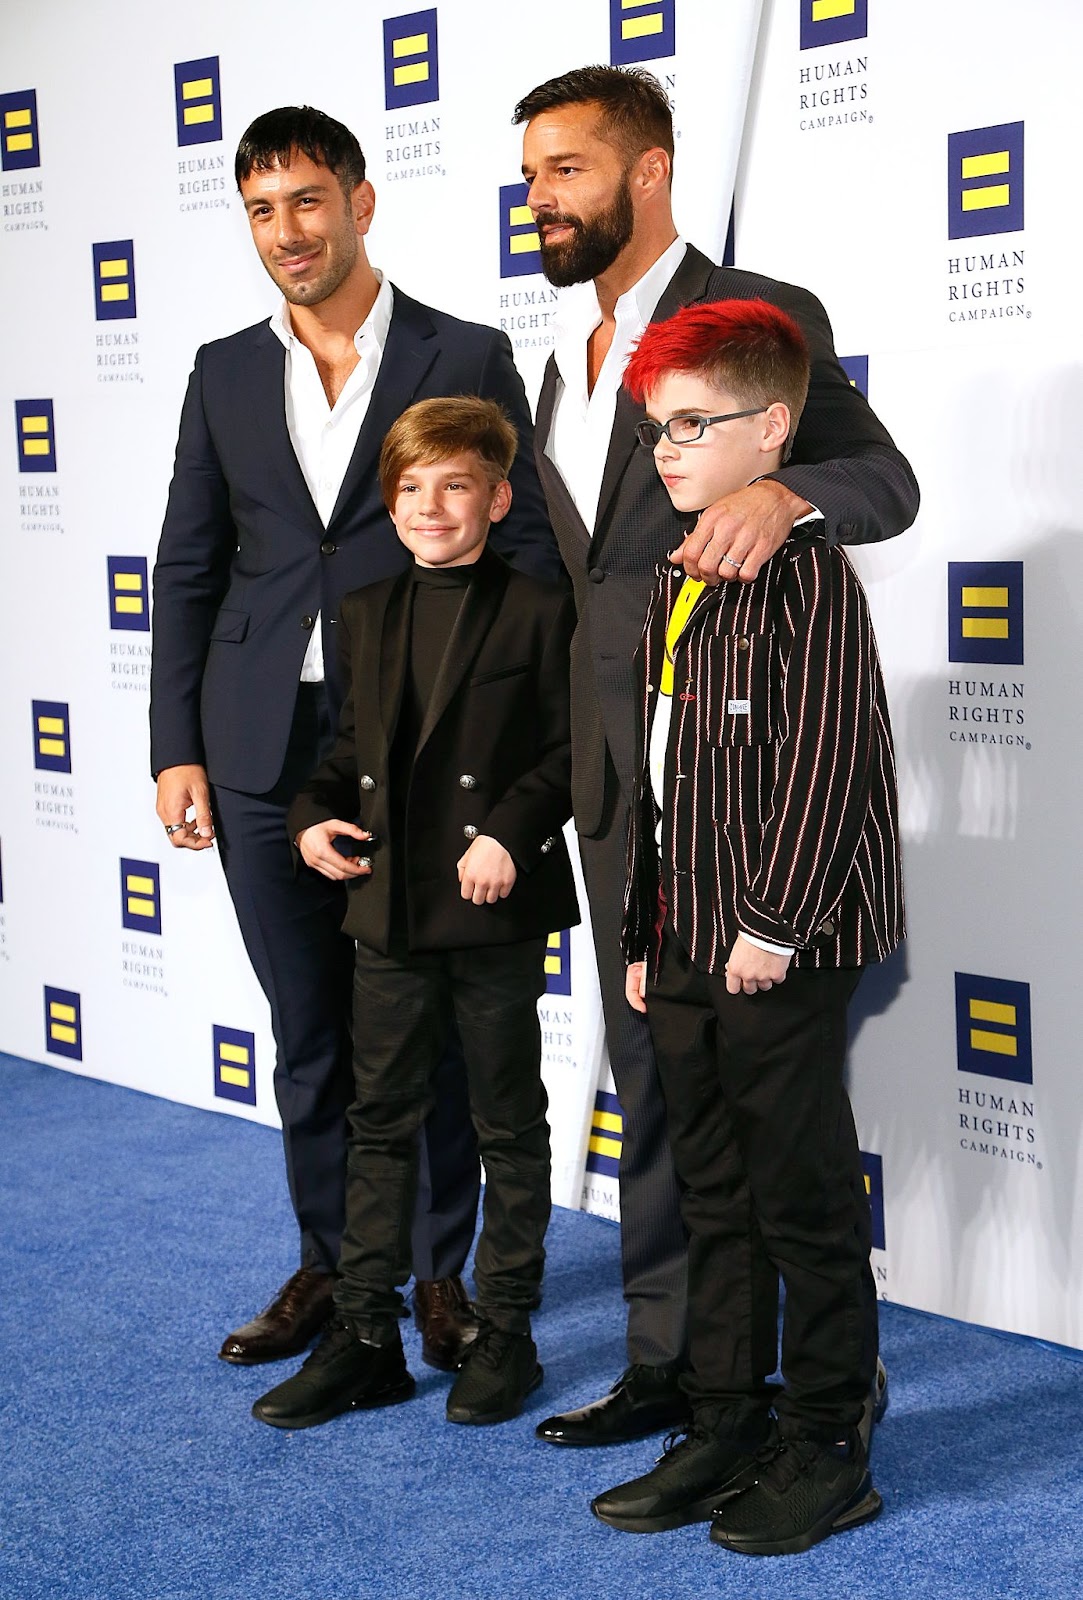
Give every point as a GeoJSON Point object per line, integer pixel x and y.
{"type": "Point", "coordinates": [737, 564]}
{"type": "Point", "coordinates": [174, 827]}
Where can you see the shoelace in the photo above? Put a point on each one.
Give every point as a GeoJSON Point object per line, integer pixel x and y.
{"type": "Point", "coordinates": [783, 1463]}
{"type": "Point", "coordinates": [679, 1438]}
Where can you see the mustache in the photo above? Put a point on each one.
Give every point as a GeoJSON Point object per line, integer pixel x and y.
{"type": "Point", "coordinates": [554, 219]}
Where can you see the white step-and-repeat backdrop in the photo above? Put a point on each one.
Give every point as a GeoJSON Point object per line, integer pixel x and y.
{"type": "Point", "coordinates": [910, 164]}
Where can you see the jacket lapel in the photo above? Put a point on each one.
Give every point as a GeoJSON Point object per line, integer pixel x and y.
{"type": "Point", "coordinates": [394, 649]}
{"type": "Point", "coordinates": [410, 351]}
{"type": "Point", "coordinates": [480, 605]}
{"type": "Point", "coordinates": [261, 398]}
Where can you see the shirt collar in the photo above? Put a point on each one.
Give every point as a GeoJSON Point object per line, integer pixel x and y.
{"type": "Point", "coordinates": [580, 314]}
{"type": "Point", "coordinates": [371, 335]}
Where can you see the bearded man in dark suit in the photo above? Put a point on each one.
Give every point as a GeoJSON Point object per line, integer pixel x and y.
{"type": "Point", "coordinates": [597, 155]}
{"type": "Point", "coordinates": [274, 514]}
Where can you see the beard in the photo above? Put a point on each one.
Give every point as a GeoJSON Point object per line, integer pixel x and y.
{"type": "Point", "coordinates": [594, 245]}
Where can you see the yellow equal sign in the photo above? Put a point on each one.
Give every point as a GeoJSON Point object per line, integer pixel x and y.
{"type": "Point", "coordinates": [198, 89]}
{"type": "Point", "coordinates": [18, 119]}
{"type": "Point", "coordinates": [128, 593]}
{"type": "Point", "coordinates": [48, 728]}
{"type": "Point", "coordinates": [30, 445]}
{"type": "Point", "coordinates": [113, 269]}
{"type": "Point", "coordinates": [520, 244]}
{"type": "Point", "coordinates": [644, 25]}
{"type": "Point", "coordinates": [552, 956]}
{"type": "Point", "coordinates": [827, 10]}
{"type": "Point", "coordinates": [414, 44]}
{"type": "Point", "coordinates": [607, 1132]}
{"type": "Point", "coordinates": [998, 1044]}
{"type": "Point", "coordinates": [989, 195]}
{"type": "Point", "coordinates": [140, 892]}
{"type": "Point", "coordinates": [238, 1074]}
{"type": "Point", "coordinates": [62, 1022]}
{"type": "Point", "coordinates": [990, 599]}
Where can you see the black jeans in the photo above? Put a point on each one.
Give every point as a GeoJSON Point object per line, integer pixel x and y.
{"type": "Point", "coordinates": [403, 1005]}
{"type": "Point", "coordinates": [767, 1154]}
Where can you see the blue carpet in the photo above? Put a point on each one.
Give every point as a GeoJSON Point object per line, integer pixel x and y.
{"type": "Point", "coordinates": [136, 1233]}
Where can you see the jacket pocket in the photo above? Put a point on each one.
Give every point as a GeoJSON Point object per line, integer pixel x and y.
{"type": "Point", "coordinates": [738, 678]}
{"type": "Point", "coordinates": [500, 672]}
{"type": "Point", "coordinates": [230, 627]}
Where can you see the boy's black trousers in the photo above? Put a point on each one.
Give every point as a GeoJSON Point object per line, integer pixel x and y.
{"type": "Point", "coordinates": [403, 1004]}
{"type": "Point", "coordinates": [767, 1154]}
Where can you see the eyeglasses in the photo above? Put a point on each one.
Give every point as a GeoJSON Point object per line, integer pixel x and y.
{"type": "Point", "coordinates": [685, 430]}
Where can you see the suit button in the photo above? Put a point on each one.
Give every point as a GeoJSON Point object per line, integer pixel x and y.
{"type": "Point", "coordinates": [470, 832]}
{"type": "Point", "coordinates": [467, 782]}
{"type": "Point", "coordinates": [742, 644]}
{"type": "Point", "coordinates": [827, 927]}
{"type": "Point", "coordinates": [328, 547]}
{"type": "Point", "coordinates": [596, 574]}
{"type": "Point", "coordinates": [308, 622]}
{"type": "Point", "coordinates": [366, 782]}
{"type": "Point", "coordinates": [547, 846]}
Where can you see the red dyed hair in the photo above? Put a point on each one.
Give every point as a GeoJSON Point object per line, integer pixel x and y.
{"type": "Point", "coordinates": [749, 348]}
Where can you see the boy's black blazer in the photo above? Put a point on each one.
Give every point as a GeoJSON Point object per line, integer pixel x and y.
{"type": "Point", "coordinates": [493, 757]}
{"type": "Point", "coordinates": [780, 816]}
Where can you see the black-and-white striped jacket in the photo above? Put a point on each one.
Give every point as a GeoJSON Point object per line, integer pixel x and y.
{"type": "Point", "coordinates": [780, 817]}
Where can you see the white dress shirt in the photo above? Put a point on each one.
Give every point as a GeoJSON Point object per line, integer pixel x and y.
{"type": "Point", "coordinates": [578, 442]}
{"type": "Point", "coordinates": [324, 437]}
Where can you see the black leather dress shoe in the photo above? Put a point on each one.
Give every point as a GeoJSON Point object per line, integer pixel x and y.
{"type": "Point", "coordinates": [445, 1320]}
{"type": "Point", "coordinates": [693, 1476]}
{"type": "Point", "coordinates": [643, 1400]}
{"type": "Point", "coordinates": [298, 1311]}
{"type": "Point", "coordinates": [341, 1374]}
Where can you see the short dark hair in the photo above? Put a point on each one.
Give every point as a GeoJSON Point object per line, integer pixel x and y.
{"type": "Point", "coordinates": [750, 348]}
{"type": "Point", "coordinates": [445, 426]}
{"type": "Point", "coordinates": [635, 114]}
{"type": "Point", "coordinates": [274, 136]}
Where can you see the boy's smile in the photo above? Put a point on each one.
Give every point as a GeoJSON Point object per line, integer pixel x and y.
{"type": "Point", "coordinates": [442, 511]}
{"type": "Point", "coordinates": [730, 453]}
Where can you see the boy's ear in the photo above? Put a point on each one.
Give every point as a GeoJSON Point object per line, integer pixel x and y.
{"type": "Point", "coordinates": [776, 427]}
{"type": "Point", "coordinates": [501, 501]}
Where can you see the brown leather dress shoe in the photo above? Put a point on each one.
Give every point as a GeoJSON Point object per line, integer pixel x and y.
{"type": "Point", "coordinates": [298, 1311]}
{"type": "Point", "coordinates": [445, 1320]}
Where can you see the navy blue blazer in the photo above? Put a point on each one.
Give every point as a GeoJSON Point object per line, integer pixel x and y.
{"type": "Point", "coordinates": [245, 565]}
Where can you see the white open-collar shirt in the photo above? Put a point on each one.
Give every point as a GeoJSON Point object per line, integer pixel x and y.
{"type": "Point", "coordinates": [324, 437]}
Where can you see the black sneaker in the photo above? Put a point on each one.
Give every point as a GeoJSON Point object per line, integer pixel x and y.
{"type": "Point", "coordinates": [876, 1403]}
{"type": "Point", "coordinates": [695, 1472]}
{"type": "Point", "coordinates": [341, 1374]}
{"type": "Point", "coordinates": [804, 1491]}
{"type": "Point", "coordinates": [498, 1372]}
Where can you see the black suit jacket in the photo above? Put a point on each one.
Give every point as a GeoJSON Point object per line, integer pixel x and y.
{"type": "Point", "coordinates": [493, 757]}
{"type": "Point", "coordinates": [843, 462]}
{"type": "Point", "coordinates": [245, 564]}
{"type": "Point", "coordinates": [783, 823]}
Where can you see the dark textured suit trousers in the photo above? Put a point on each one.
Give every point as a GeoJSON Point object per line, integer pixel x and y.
{"type": "Point", "coordinates": [290, 920]}
{"type": "Point", "coordinates": [654, 1251]}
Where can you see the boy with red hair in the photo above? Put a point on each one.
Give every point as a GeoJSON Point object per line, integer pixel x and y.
{"type": "Point", "coordinates": [763, 874]}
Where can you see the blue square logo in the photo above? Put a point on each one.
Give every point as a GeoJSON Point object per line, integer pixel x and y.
{"type": "Point", "coordinates": [992, 1027]}
{"type": "Point", "coordinates": [558, 963]}
{"type": "Point", "coordinates": [985, 181]}
{"type": "Point", "coordinates": [606, 1136]}
{"type": "Point", "coordinates": [873, 1170]}
{"type": "Point", "coordinates": [856, 369]}
{"type": "Point", "coordinates": [520, 246]}
{"type": "Point", "coordinates": [140, 896]}
{"type": "Point", "coordinates": [19, 147]}
{"type": "Point", "coordinates": [199, 101]}
{"type": "Point", "coordinates": [411, 60]}
{"type": "Point", "coordinates": [35, 434]}
{"type": "Point", "coordinates": [114, 280]}
{"type": "Point", "coordinates": [985, 612]}
{"type": "Point", "coordinates": [129, 603]}
{"type": "Point", "coordinates": [235, 1065]}
{"type": "Point", "coordinates": [833, 22]}
{"type": "Point", "coordinates": [52, 735]}
{"type": "Point", "coordinates": [641, 30]}
{"type": "Point", "coordinates": [63, 1023]}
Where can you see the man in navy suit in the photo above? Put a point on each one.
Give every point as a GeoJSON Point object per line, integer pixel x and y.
{"type": "Point", "coordinates": [274, 513]}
